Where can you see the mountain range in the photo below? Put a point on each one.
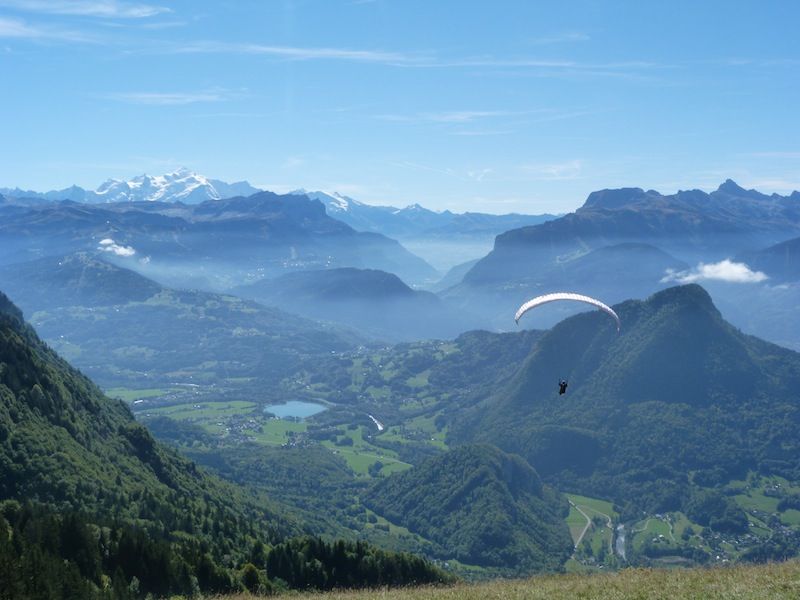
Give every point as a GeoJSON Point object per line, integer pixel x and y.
{"type": "Point", "coordinates": [416, 221]}
{"type": "Point", "coordinates": [123, 329]}
{"type": "Point", "coordinates": [629, 243]}
{"type": "Point", "coordinates": [214, 244]}
{"type": "Point", "coordinates": [181, 185]}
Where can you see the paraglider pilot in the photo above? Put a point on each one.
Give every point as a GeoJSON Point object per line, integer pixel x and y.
{"type": "Point", "coordinates": [562, 386]}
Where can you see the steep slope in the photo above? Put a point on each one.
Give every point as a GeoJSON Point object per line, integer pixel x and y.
{"type": "Point", "coordinates": [125, 330]}
{"type": "Point", "coordinates": [372, 301]}
{"type": "Point", "coordinates": [92, 507]}
{"type": "Point", "coordinates": [482, 507]}
{"type": "Point", "coordinates": [65, 445]}
{"type": "Point", "coordinates": [678, 397]}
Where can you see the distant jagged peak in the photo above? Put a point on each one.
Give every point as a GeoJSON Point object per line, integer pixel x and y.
{"type": "Point", "coordinates": [334, 201]}
{"type": "Point", "coordinates": [730, 188]}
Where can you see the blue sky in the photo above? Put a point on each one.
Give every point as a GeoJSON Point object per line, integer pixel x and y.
{"type": "Point", "coordinates": [503, 106]}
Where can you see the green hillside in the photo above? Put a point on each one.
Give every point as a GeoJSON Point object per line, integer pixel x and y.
{"type": "Point", "coordinates": [481, 507]}
{"type": "Point", "coordinates": [91, 506]}
{"type": "Point", "coordinates": [678, 399]}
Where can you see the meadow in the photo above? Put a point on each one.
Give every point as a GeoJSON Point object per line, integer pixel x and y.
{"type": "Point", "coordinates": [779, 580]}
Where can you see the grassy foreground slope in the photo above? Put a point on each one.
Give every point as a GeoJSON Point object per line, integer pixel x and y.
{"type": "Point", "coordinates": [781, 580]}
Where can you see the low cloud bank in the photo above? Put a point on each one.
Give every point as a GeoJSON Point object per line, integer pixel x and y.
{"type": "Point", "coordinates": [724, 270]}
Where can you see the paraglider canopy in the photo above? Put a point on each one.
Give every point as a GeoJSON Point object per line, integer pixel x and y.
{"type": "Point", "coordinates": [539, 300]}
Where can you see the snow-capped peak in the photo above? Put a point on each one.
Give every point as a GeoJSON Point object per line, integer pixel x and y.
{"type": "Point", "coordinates": [181, 185]}
{"type": "Point", "coordinates": [333, 201]}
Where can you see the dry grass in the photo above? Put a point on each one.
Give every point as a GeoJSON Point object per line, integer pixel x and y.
{"type": "Point", "coordinates": [732, 583]}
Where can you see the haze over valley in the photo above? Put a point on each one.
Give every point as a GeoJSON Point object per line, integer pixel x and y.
{"type": "Point", "coordinates": [425, 299]}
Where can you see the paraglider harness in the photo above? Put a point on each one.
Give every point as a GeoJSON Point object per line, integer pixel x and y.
{"type": "Point", "coordinates": [562, 386]}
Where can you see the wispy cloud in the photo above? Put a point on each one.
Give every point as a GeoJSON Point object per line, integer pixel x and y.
{"type": "Point", "coordinates": [298, 52]}
{"type": "Point", "coordinates": [416, 59]}
{"type": "Point", "coordinates": [17, 29]}
{"type": "Point", "coordinates": [479, 174]}
{"type": "Point", "coordinates": [725, 270]}
{"type": "Point", "coordinates": [570, 169]}
{"type": "Point", "coordinates": [110, 9]}
{"type": "Point", "coordinates": [459, 116]}
{"type": "Point", "coordinates": [172, 98]}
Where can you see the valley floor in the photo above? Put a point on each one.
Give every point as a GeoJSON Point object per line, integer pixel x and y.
{"type": "Point", "coordinates": [730, 583]}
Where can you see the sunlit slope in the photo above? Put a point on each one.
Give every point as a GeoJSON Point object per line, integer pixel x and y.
{"type": "Point", "coordinates": [678, 398]}
{"type": "Point", "coordinates": [736, 583]}
{"type": "Point", "coordinates": [66, 445]}
{"type": "Point", "coordinates": [480, 506]}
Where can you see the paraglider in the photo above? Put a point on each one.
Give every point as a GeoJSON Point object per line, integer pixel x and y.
{"type": "Point", "coordinates": [539, 300]}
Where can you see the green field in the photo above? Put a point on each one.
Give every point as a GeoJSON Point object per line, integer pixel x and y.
{"type": "Point", "coordinates": [593, 506]}
{"type": "Point", "coordinates": [200, 412]}
{"type": "Point", "coordinates": [576, 522]}
{"type": "Point", "coordinates": [276, 432]}
{"type": "Point", "coordinates": [361, 455]}
{"type": "Point", "coordinates": [130, 395]}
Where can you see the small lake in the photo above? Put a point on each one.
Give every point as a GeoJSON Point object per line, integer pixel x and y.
{"type": "Point", "coordinates": [295, 408]}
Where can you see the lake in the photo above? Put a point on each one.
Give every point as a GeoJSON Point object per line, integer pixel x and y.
{"type": "Point", "coordinates": [295, 408]}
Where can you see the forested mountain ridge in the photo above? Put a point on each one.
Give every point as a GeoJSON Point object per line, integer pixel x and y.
{"type": "Point", "coordinates": [64, 444]}
{"type": "Point", "coordinates": [679, 397]}
{"type": "Point", "coordinates": [91, 506]}
{"type": "Point", "coordinates": [479, 506]}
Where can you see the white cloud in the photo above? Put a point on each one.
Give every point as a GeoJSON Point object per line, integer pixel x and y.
{"type": "Point", "coordinates": [109, 245]}
{"type": "Point", "coordinates": [171, 98]}
{"type": "Point", "coordinates": [299, 53]}
{"type": "Point", "coordinates": [724, 270]}
{"type": "Point", "coordinates": [14, 28]}
{"type": "Point", "coordinates": [88, 8]}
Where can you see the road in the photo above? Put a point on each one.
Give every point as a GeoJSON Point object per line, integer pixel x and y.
{"type": "Point", "coordinates": [585, 529]}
